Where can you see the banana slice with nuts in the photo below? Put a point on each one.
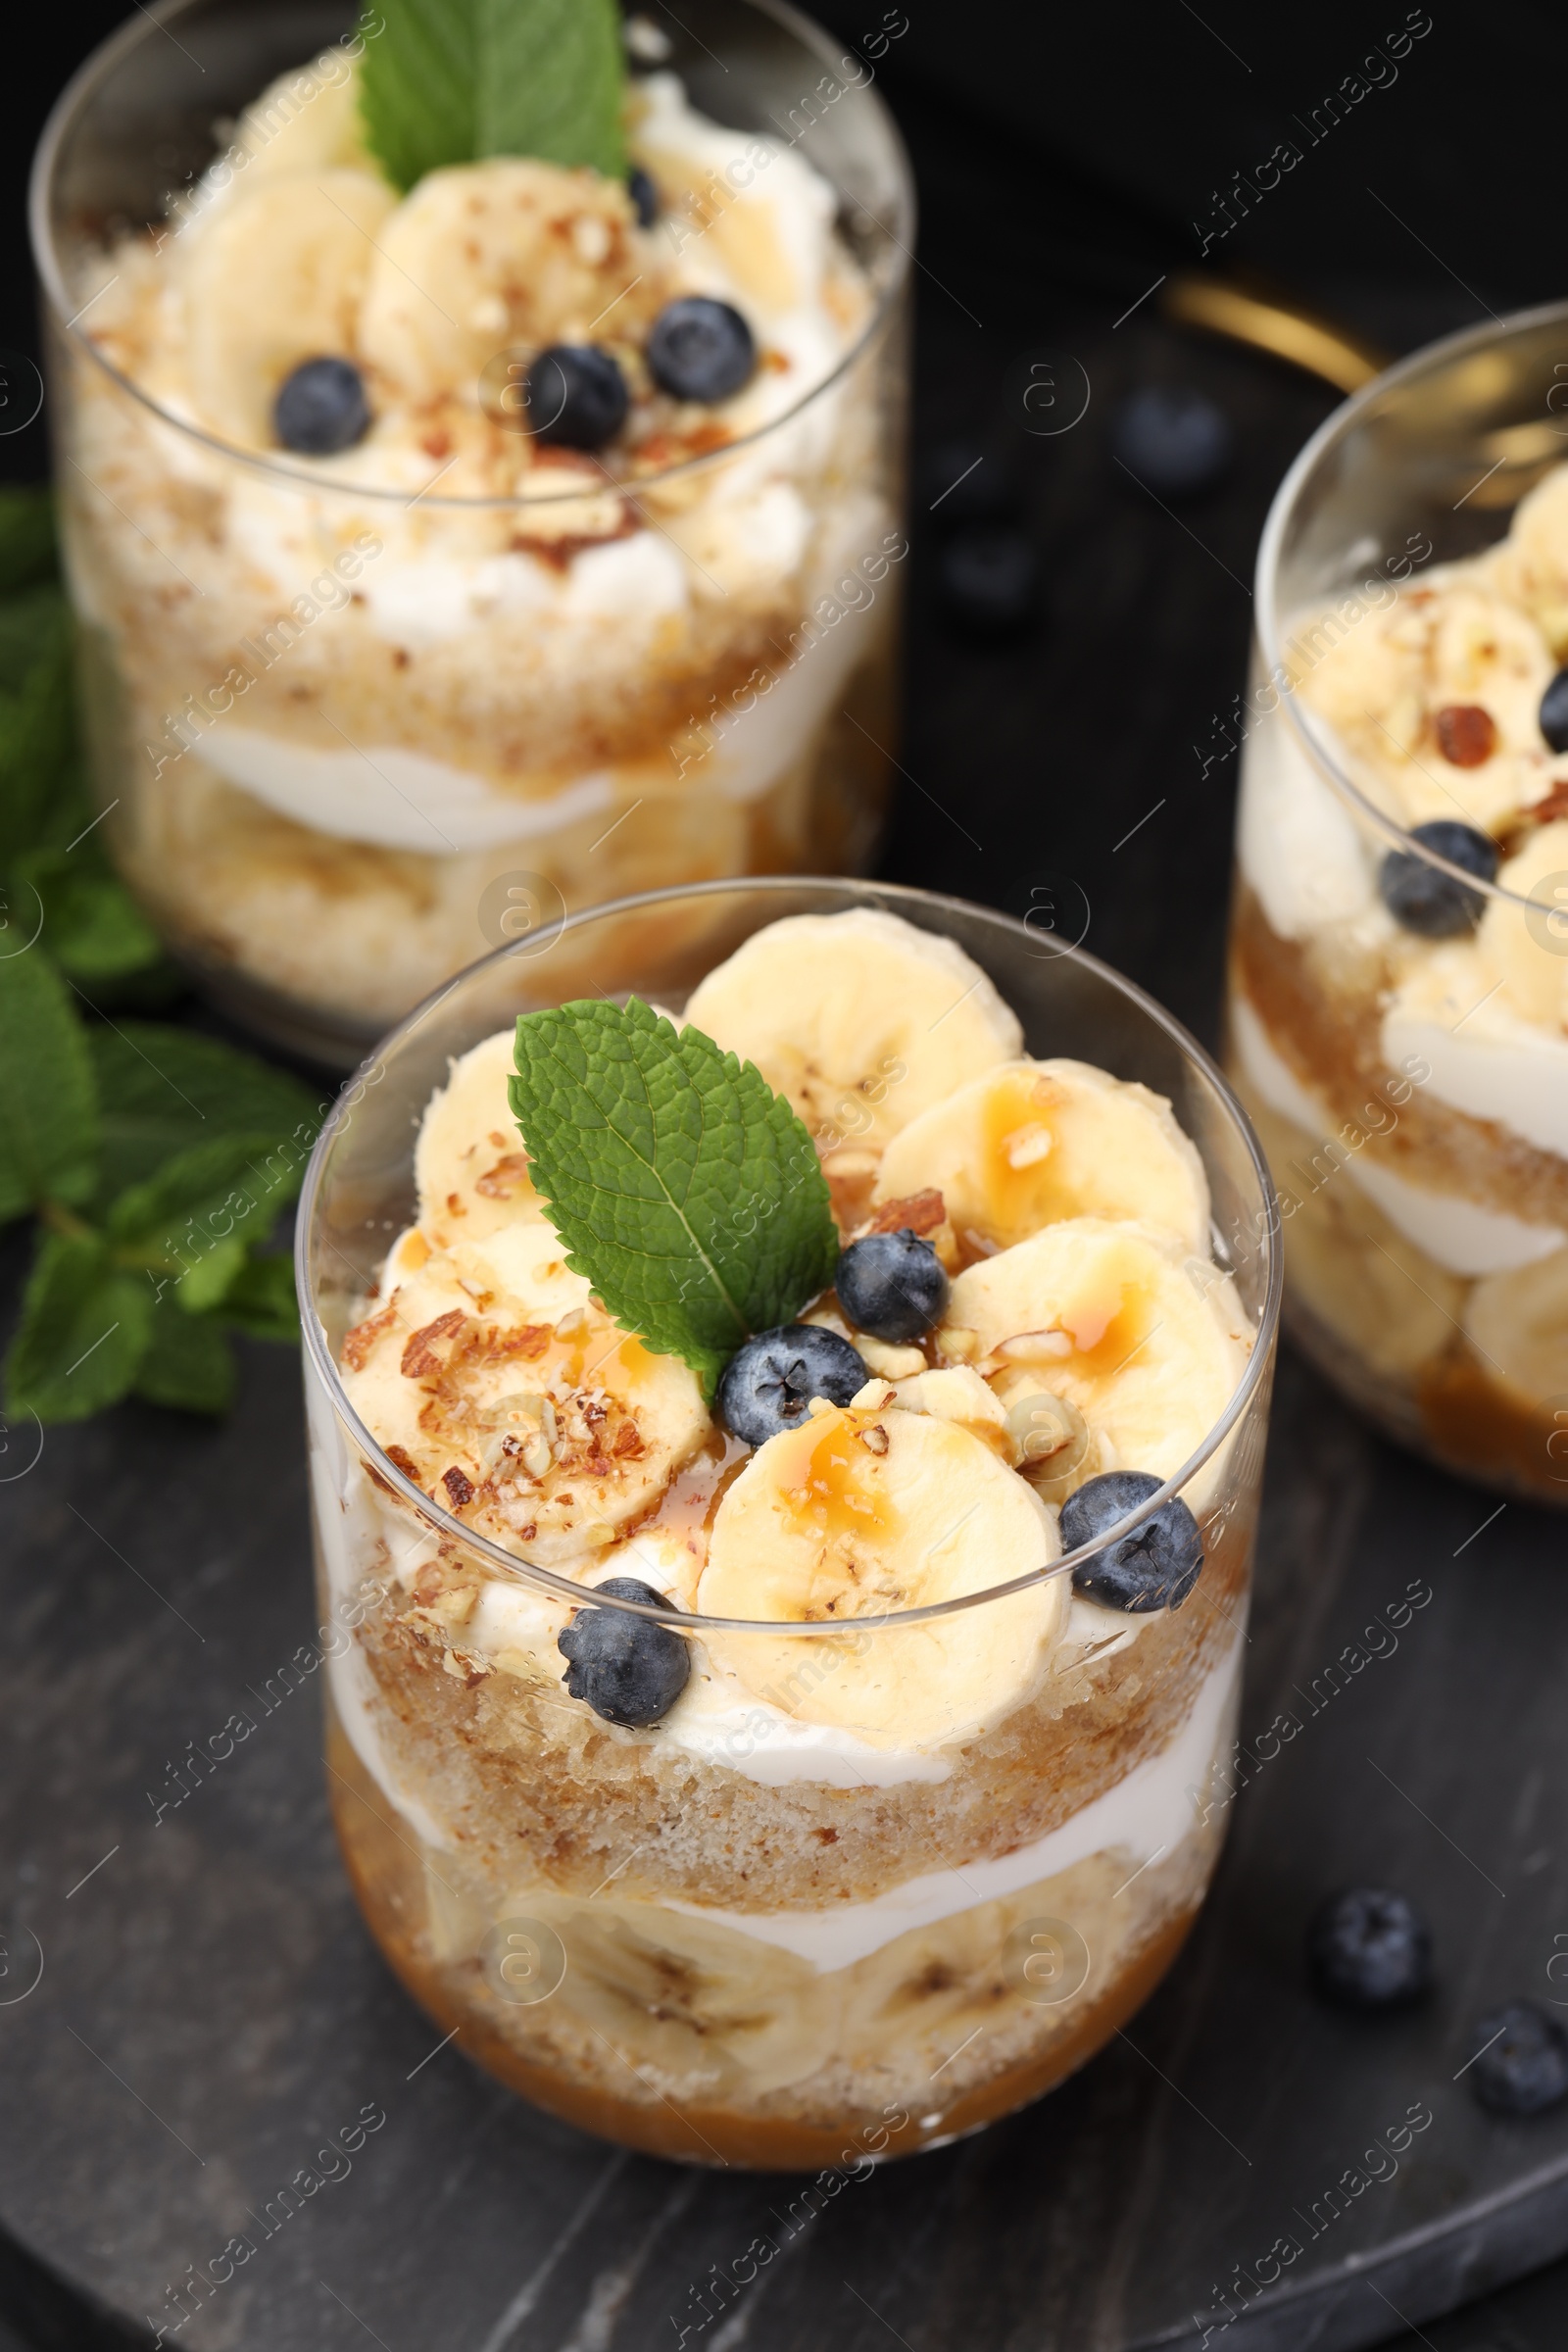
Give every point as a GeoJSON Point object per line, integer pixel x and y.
{"type": "Point", "coordinates": [860, 1020]}
{"type": "Point", "coordinates": [1148, 1346]}
{"type": "Point", "coordinates": [1029, 1143]}
{"type": "Point", "coordinates": [493, 1382]}
{"type": "Point", "coordinates": [482, 257]}
{"type": "Point", "coordinates": [856, 1515]}
{"type": "Point", "coordinates": [273, 275]}
{"type": "Point", "coordinates": [469, 1165]}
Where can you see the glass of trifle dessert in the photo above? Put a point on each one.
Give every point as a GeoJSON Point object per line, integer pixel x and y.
{"type": "Point", "coordinates": [480, 458]}
{"type": "Point", "coordinates": [786, 1437]}
{"type": "Point", "coordinates": [1399, 1000]}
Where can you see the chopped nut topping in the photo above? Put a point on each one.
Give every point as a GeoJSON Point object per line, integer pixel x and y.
{"type": "Point", "coordinates": [454, 1206]}
{"type": "Point", "coordinates": [1466, 734]}
{"type": "Point", "coordinates": [921, 1212]}
{"type": "Point", "coordinates": [875, 1438]}
{"type": "Point", "coordinates": [459, 1486]}
{"type": "Point", "coordinates": [420, 1356]}
{"type": "Point", "coordinates": [360, 1345]}
{"type": "Point", "coordinates": [401, 1459]}
{"type": "Point", "coordinates": [507, 1176]}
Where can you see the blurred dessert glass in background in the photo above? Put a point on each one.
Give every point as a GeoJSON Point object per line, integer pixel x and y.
{"type": "Point", "coordinates": [1399, 1000]}
{"type": "Point", "coordinates": [451, 552]}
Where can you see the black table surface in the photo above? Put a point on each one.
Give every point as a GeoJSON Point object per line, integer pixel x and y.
{"type": "Point", "coordinates": [207, 2008]}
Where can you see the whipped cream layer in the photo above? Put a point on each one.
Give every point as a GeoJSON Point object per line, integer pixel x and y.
{"type": "Point", "coordinates": [1144, 1816]}
{"type": "Point", "coordinates": [1457, 1232]}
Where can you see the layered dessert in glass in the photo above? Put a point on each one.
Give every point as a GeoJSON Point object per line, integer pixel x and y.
{"type": "Point", "coordinates": [820, 1738]}
{"type": "Point", "coordinates": [455, 547]}
{"type": "Point", "coordinates": [1398, 1003]}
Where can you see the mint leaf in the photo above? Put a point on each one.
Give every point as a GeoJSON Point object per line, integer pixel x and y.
{"type": "Point", "coordinates": [451, 81]}
{"type": "Point", "coordinates": [26, 537]}
{"type": "Point", "coordinates": [164, 1090]}
{"type": "Point", "coordinates": [193, 1217]}
{"type": "Point", "coordinates": [261, 1302]}
{"type": "Point", "coordinates": [92, 926]}
{"type": "Point", "coordinates": [84, 1329]}
{"type": "Point", "coordinates": [48, 1102]}
{"type": "Point", "coordinates": [189, 1364]}
{"type": "Point", "coordinates": [686, 1190]}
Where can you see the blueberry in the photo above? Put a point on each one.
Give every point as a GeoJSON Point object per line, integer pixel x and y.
{"type": "Point", "coordinates": [1526, 2067]}
{"type": "Point", "coordinates": [576, 394]}
{"type": "Point", "coordinates": [700, 349]}
{"type": "Point", "coordinates": [1174, 439]}
{"type": "Point", "coordinates": [989, 580]}
{"type": "Point", "coordinates": [1370, 1948]}
{"type": "Point", "coordinates": [892, 1285]}
{"type": "Point", "coordinates": [1428, 901]}
{"type": "Point", "coordinates": [322, 408]}
{"type": "Point", "coordinates": [767, 1386]}
{"type": "Point", "coordinates": [1153, 1567]}
{"type": "Point", "coordinates": [628, 1669]}
{"type": "Point", "coordinates": [1554, 712]}
{"type": "Point", "coordinates": [644, 195]}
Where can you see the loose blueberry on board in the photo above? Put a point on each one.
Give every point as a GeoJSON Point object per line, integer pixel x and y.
{"type": "Point", "coordinates": [989, 578]}
{"type": "Point", "coordinates": [1526, 2067]}
{"type": "Point", "coordinates": [627, 1669]}
{"type": "Point", "coordinates": [1370, 1948]}
{"type": "Point", "coordinates": [892, 1285]}
{"type": "Point", "coordinates": [700, 349]}
{"type": "Point", "coordinates": [1153, 1566]}
{"type": "Point", "coordinates": [321, 408]}
{"type": "Point", "coordinates": [576, 394]}
{"type": "Point", "coordinates": [1424, 899]}
{"type": "Point", "coordinates": [1554, 712]}
{"type": "Point", "coordinates": [644, 196]}
{"type": "Point", "coordinates": [770, 1383]}
{"type": "Point", "coordinates": [1176, 440]}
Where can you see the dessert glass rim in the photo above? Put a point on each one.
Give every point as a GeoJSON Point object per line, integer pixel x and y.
{"type": "Point", "coordinates": [1269, 628]}
{"type": "Point", "coordinates": [111, 52]}
{"type": "Point", "coordinates": [897, 895]}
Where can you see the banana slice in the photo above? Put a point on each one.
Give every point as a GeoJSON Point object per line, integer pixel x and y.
{"type": "Point", "coordinates": [469, 1163]}
{"type": "Point", "coordinates": [1029, 1143]}
{"type": "Point", "coordinates": [307, 121]}
{"type": "Point", "coordinates": [1529, 953]}
{"type": "Point", "coordinates": [274, 276]}
{"type": "Point", "coordinates": [1146, 1345]}
{"type": "Point", "coordinates": [952, 1394]}
{"type": "Point", "coordinates": [500, 1388]}
{"type": "Point", "coordinates": [1519, 1324]}
{"type": "Point", "coordinates": [857, 1514]}
{"type": "Point", "coordinates": [860, 1020]}
{"type": "Point", "coordinates": [480, 257]}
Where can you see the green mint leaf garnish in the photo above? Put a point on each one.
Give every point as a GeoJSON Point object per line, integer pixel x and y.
{"type": "Point", "coordinates": [686, 1190]}
{"type": "Point", "coordinates": [85, 1327]}
{"type": "Point", "coordinates": [48, 1106]}
{"type": "Point", "coordinates": [189, 1363]}
{"type": "Point", "coordinates": [454, 82]}
{"type": "Point", "coordinates": [156, 1161]}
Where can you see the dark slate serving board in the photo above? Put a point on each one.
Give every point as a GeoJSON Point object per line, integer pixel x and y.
{"type": "Point", "coordinates": [210, 2012]}
{"type": "Point", "coordinates": [211, 2016]}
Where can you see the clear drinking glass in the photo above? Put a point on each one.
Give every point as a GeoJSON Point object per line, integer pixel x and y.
{"type": "Point", "coordinates": [662, 1945]}
{"type": "Point", "coordinates": [348, 737]}
{"type": "Point", "coordinates": [1411, 1084]}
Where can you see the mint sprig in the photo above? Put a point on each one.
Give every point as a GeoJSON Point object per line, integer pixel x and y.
{"type": "Point", "coordinates": [454, 82]}
{"type": "Point", "coordinates": [155, 1161]}
{"type": "Point", "coordinates": [682, 1187]}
